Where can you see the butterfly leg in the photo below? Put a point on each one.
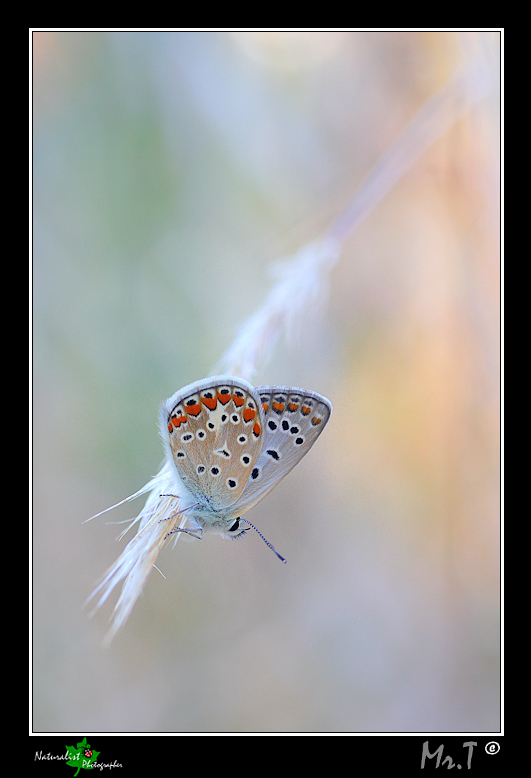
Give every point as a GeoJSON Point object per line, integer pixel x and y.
{"type": "Point", "coordinates": [190, 532]}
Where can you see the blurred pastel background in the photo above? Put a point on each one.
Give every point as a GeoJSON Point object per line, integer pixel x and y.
{"type": "Point", "coordinates": [169, 170]}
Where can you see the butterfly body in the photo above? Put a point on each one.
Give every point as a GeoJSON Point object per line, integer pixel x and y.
{"type": "Point", "coordinates": [229, 444]}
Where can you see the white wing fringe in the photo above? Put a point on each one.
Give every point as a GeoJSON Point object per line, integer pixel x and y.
{"type": "Point", "coordinates": [159, 516]}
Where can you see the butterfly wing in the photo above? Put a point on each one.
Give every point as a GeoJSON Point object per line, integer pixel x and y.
{"type": "Point", "coordinates": [293, 420]}
{"type": "Point", "coordinates": [213, 430]}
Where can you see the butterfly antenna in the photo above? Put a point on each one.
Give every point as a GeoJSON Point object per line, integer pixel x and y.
{"type": "Point", "coordinates": [264, 539]}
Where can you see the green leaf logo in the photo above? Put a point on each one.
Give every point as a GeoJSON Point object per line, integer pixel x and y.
{"type": "Point", "coordinates": [82, 756]}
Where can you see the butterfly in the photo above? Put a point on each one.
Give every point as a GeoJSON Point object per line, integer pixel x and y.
{"type": "Point", "coordinates": [229, 444]}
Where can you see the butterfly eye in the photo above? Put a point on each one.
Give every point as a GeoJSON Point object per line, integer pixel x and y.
{"type": "Point", "coordinates": [235, 526]}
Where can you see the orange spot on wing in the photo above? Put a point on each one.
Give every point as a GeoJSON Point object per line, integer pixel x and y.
{"type": "Point", "coordinates": [176, 421]}
{"type": "Point", "coordinates": [305, 410]}
{"type": "Point", "coordinates": [249, 414]}
{"type": "Point", "coordinates": [316, 420]}
{"type": "Point", "coordinates": [292, 406]}
{"type": "Point", "coordinates": [265, 406]}
{"type": "Point", "coordinates": [278, 406]}
{"type": "Point", "coordinates": [224, 397]}
{"type": "Point", "coordinates": [238, 400]}
{"type": "Point", "coordinates": [193, 410]}
{"type": "Point", "coordinates": [256, 429]}
{"type": "Point", "coordinates": [210, 402]}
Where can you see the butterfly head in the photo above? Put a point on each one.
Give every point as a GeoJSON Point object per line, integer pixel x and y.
{"type": "Point", "coordinates": [236, 529]}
